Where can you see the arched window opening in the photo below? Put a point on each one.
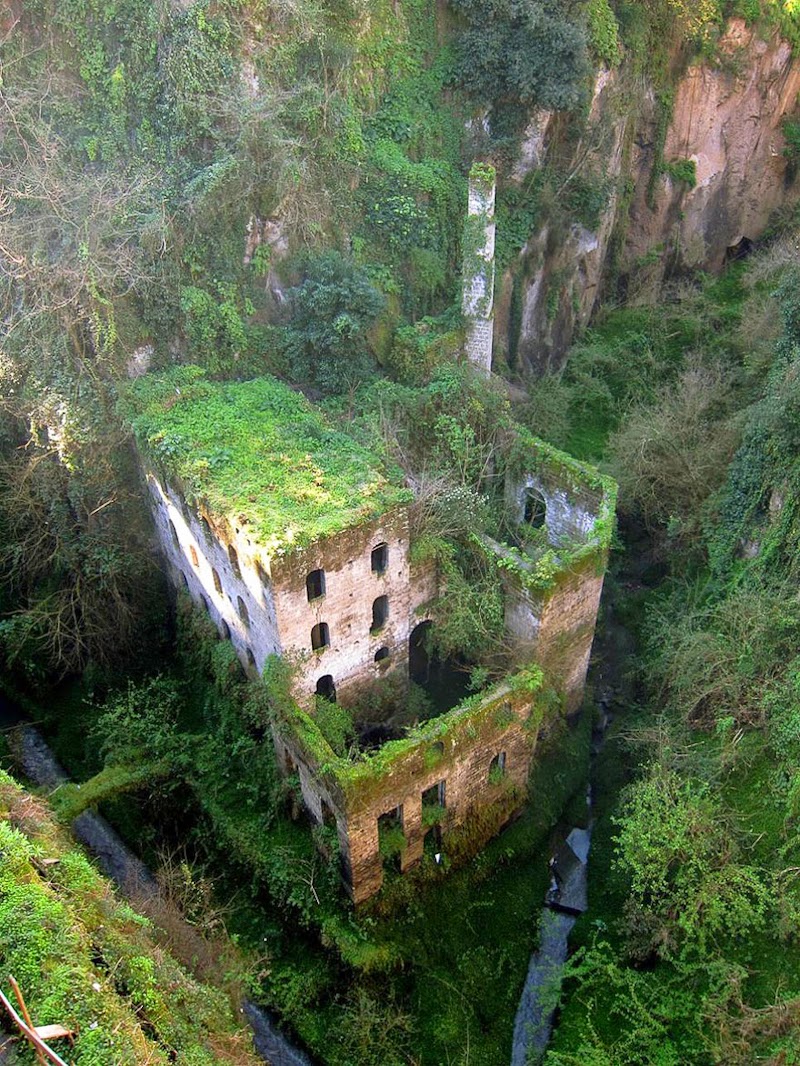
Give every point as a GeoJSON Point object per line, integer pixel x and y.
{"type": "Point", "coordinates": [193, 555]}
{"type": "Point", "coordinates": [224, 629]}
{"type": "Point", "coordinates": [251, 659]}
{"type": "Point", "coordinates": [263, 576]}
{"type": "Point", "coordinates": [207, 530]}
{"type": "Point", "coordinates": [217, 582]}
{"type": "Point", "coordinates": [419, 659]}
{"type": "Point", "coordinates": [497, 768]}
{"type": "Point", "coordinates": [326, 688]}
{"type": "Point", "coordinates": [380, 558]}
{"type": "Point", "coordinates": [174, 533]}
{"type": "Point", "coordinates": [185, 580]}
{"type": "Point", "coordinates": [382, 655]}
{"type": "Point", "coordinates": [380, 612]}
{"type": "Point", "coordinates": [241, 607]}
{"type": "Point", "coordinates": [535, 512]}
{"type": "Point", "coordinates": [233, 556]}
{"type": "Point", "coordinates": [204, 602]}
{"type": "Point", "coordinates": [315, 585]}
{"type": "Point", "coordinates": [320, 636]}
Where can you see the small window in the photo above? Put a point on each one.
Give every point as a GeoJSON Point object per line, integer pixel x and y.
{"type": "Point", "coordinates": [193, 555]}
{"type": "Point", "coordinates": [185, 580]}
{"type": "Point", "coordinates": [263, 576]}
{"type": "Point", "coordinates": [204, 602]}
{"type": "Point", "coordinates": [380, 612]}
{"type": "Point", "coordinates": [217, 582]}
{"type": "Point", "coordinates": [207, 530]}
{"type": "Point", "coordinates": [434, 796]}
{"type": "Point", "coordinates": [320, 636]}
{"type": "Point", "coordinates": [224, 629]}
{"type": "Point", "coordinates": [174, 533]}
{"type": "Point", "coordinates": [535, 509]}
{"type": "Point", "coordinates": [380, 559]}
{"type": "Point", "coordinates": [241, 607]}
{"type": "Point", "coordinates": [382, 655]}
{"type": "Point", "coordinates": [326, 688]}
{"type": "Point", "coordinates": [497, 768]}
{"type": "Point", "coordinates": [315, 585]}
{"type": "Point", "coordinates": [234, 560]}
{"type": "Point", "coordinates": [251, 659]}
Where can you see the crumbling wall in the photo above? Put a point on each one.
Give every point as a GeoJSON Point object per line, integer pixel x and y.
{"type": "Point", "coordinates": [346, 608]}
{"type": "Point", "coordinates": [200, 561]}
{"type": "Point", "coordinates": [475, 759]}
{"type": "Point", "coordinates": [478, 267]}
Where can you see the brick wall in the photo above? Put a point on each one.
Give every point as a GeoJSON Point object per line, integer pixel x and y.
{"type": "Point", "coordinates": [351, 587]}
{"type": "Point", "coordinates": [500, 725]}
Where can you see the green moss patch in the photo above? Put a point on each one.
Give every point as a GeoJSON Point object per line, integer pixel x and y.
{"type": "Point", "coordinates": [257, 452]}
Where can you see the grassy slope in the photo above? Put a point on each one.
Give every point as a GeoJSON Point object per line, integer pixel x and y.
{"type": "Point", "coordinates": [88, 960]}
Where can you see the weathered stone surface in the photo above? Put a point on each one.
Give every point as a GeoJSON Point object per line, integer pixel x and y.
{"type": "Point", "coordinates": [726, 119]}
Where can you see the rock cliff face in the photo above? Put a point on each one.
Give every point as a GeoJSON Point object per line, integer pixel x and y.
{"type": "Point", "coordinates": [726, 120]}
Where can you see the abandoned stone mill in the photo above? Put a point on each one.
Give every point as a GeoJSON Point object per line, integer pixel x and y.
{"type": "Point", "coordinates": [319, 569]}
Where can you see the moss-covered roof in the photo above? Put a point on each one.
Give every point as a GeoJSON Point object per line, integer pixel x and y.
{"type": "Point", "coordinates": [258, 453]}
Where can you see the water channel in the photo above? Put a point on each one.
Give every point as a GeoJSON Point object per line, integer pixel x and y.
{"type": "Point", "coordinates": [566, 898]}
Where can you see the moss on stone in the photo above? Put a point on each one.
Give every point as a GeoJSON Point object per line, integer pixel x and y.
{"type": "Point", "coordinates": [258, 455]}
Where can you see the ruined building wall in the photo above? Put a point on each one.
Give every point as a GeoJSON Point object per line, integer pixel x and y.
{"type": "Point", "coordinates": [240, 603]}
{"type": "Point", "coordinates": [454, 763]}
{"type": "Point", "coordinates": [478, 268]}
{"type": "Point", "coordinates": [351, 587]}
{"type": "Point", "coordinates": [263, 605]}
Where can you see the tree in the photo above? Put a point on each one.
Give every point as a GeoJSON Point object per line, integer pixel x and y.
{"type": "Point", "coordinates": [532, 51]}
{"type": "Point", "coordinates": [333, 308]}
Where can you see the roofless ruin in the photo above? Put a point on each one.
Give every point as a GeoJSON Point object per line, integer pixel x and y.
{"type": "Point", "coordinates": [297, 543]}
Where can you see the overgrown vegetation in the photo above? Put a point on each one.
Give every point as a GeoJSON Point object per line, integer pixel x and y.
{"type": "Point", "coordinates": [688, 954]}
{"type": "Point", "coordinates": [88, 961]}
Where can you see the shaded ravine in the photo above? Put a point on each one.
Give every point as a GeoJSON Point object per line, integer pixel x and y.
{"type": "Point", "coordinates": [124, 868]}
{"type": "Point", "coordinates": [567, 896]}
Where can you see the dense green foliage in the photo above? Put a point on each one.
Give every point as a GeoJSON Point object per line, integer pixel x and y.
{"type": "Point", "coordinates": [689, 952]}
{"type": "Point", "coordinates": [533, 51]}
{"type": "Point", "coordinates": [258, 453]}
{"type": "Point", "coordinates": [88, 961]}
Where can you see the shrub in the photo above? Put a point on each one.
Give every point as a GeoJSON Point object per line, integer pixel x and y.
{"type": "Point", "coordinates": [333, 308]}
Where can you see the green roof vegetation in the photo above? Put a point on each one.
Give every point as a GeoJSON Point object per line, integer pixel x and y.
{"type": "Point", "coordinates": [259, 453]}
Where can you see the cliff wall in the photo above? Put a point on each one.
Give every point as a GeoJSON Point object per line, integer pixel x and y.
{"type": "Point", "coordinates": [693, 175]}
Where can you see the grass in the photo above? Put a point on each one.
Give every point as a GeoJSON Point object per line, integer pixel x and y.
{"type": "Point", "coordinates": [257, 454]}
{"type": "Point", "coordinates": [88, 960]}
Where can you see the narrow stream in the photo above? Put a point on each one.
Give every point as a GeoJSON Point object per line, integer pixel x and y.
{"type": "Point", "coordinates": [124, 868]}
{"type": "Point", "coordinates": [566, 898]}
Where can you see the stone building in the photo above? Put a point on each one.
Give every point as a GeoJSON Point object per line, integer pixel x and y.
{"type": "Point", "coordinates": [296, 542]}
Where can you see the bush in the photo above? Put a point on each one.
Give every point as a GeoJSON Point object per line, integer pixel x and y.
{"type": "Point", "coordinates": [686, 887]}
{"type": "Point", "coordinates": [334, 306]}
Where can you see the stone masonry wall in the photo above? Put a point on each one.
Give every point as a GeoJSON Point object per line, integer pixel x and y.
{"type": "Point", "coordinates": [351, 587]}
{"type": "Point", "coordinates": [570, 515]}
{"type": "Point", "coordinates": [566, 632]}
{"type": "Point", "coordinates": [459, 762]}
{"type": "Point", "coordinates": [478, 273]}
{"type": "Point", "coordinates": [196, 554]}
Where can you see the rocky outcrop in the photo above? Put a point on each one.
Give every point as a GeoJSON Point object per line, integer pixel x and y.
{"type": "Point", "coordinates": [725, 125]}
{"type": "Point", "coordinates": [726, 120]}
